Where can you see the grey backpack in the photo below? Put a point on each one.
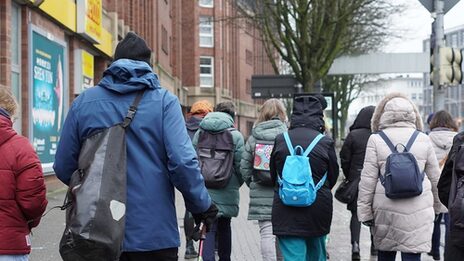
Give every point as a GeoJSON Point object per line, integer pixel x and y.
{"type": "Point", "coordinates": [96, 199]}
{"type": "Point", "coordinates": [216, 155]}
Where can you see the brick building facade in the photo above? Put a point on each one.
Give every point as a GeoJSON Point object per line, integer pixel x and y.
{"type": "Point", "coordinates": [47, 58]}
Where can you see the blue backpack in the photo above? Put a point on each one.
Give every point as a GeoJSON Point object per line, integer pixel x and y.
{"type": "Point", "coordinates": [403, 178]}
{"type": "Point", "coordinates": [296, 187]}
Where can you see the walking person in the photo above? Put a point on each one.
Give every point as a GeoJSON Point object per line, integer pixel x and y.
{"type": "Point", "coordinates": [450, 183]}
{"type": "Point", "coordinates": [198, 111]}
{"type": "Point", "coordinates": [255, 171]}
{"type": "Point", "coordinates": [399, 223]}
{"type": "Point", "coordinates": [23, 193]}
{"type": "Point", "coordinates": [442, 131]}
{"type": "Point", "coordinates": [160, 155]}
{"type": "Point", "coordinates": [220, 125]}
{"type": "Point", "coordinates": [352, 160]}
{"type": "Point", "coordinates": [301, 231]}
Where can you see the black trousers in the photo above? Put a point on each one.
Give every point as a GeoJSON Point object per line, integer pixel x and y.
{"type": "Point", "coordinates": [168, 254]}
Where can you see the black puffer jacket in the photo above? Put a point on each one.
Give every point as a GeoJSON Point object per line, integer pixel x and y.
{"type": "Point", "coordinates": [444, 184]}
{"type": "Point", "coordinates": [313, 221]}
{"type": "Point", "coordinates": [354, 147]}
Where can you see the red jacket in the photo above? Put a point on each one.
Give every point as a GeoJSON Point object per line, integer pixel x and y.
{"type": "Point", "coordinates": [22, 191]}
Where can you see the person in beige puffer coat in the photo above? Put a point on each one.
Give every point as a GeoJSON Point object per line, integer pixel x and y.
{"type": "Point", "coordinates": [401, 224]}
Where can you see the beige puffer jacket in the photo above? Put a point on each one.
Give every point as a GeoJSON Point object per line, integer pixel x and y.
{"type": "Point", "coordinates": [442, 140]}
{"type": "Point", "coordinates": [401, 224]}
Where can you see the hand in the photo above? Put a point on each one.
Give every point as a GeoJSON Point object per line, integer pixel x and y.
{"type": "Point", "coordinates": [368, 223]}
{"type": "Point", "coordinates": [207, 218]}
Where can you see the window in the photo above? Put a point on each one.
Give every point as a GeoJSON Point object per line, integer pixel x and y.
{"type": "Point", "coordinates": [164, 40]}
{"type": "Point", "coordinates": [206, 3]}
{"type": "Point", "coordinates": [206, 71]}
{"type": "Point", "coordinates": [16, 60]}
{"type": "Point", "coordinates": [249, 57]}
{"type": "Point", "coordinates": [414, 96]}
{"type": "Point", "coordinates": [248, 86]}
{"type": "Point", "coordinates": [454, 40]}
{"type": "Point", "coordinates": [206, 32]}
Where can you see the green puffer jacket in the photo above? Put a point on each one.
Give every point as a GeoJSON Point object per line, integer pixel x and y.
{"type": "Point", "coordinates": [261, 197]}
{"type": "Point", "coordinates": [226, 199]}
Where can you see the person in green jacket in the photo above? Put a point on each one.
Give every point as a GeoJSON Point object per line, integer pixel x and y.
{"type": "Point", "coordinates": [226, 199]}
{"type": "Point", "coordinates": [271, 122]}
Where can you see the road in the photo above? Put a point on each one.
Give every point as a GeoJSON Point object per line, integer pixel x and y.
{"type": "Point", "coordinates": [245, 242]}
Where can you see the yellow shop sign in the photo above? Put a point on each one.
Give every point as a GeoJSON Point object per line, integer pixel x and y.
{"type": "Point", "coordinates": [90, 20]}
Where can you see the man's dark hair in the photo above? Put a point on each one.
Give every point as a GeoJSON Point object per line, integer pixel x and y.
{"type": "Point", "coordinates": [226, 107]}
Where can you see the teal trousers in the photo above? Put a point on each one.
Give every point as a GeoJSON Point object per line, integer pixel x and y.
{"type": "Point", "coordinates": [303, 248]}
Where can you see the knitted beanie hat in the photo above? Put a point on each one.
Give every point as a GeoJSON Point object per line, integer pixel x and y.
{"type": "Point", "coordinates": [201, 107]}
{"type": "Point", "coordinates": [133, 47]}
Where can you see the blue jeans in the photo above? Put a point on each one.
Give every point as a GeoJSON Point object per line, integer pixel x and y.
{"type": "Point", "coordinates": [391, 255]}
{"type": "Point", "coordinates": [14, 257]}
{"type": "Point", "coordinates": [303, 248]}
{"type": "Point", "coordinates": [436, 233]}
{"type": "Point", "coordinates": [221, 229]}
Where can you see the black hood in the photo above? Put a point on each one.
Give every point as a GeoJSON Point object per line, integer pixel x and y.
{"type": "Point", "coordinates": [308, 113]}
{"type": "Point", "coordinates": [363, 120]}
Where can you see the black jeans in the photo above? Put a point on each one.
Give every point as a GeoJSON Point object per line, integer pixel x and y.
{"type": "Point", "coordinates": [390, 256]}
{"type": "Point", "coordinates": [168, 254]}
{"type": "Point", "coordinates": [189, 225]}
{"type": "Point", "coordinates": [453, 253]}
{"type": "Point", "coordinates": [220, 229]}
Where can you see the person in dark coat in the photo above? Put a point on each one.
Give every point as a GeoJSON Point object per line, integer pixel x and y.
{"type": "Point", "coordinates": [455, 246]}
{"type": "Point", "coordinates": [198, 111]}
{"type": "Point", "coordinates": [301, 231]}
{"type": "Point", "coordinates": [352, 160]}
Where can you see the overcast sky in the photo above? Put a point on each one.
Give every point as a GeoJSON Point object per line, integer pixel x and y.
{"type": "Point", "coordinates": [415, 25]}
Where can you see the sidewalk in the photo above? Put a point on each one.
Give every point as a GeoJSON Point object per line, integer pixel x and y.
{"type": "Point", "coordinates": [245, 241]}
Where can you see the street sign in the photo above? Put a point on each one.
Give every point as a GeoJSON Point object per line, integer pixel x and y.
{"type": "Point", "coordinates": [273, 86]}
{"type": "Point", "coordinates": [448, 4]}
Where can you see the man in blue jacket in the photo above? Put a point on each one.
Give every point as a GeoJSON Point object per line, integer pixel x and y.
{"type": "Point", "coordinates": [160, 155]}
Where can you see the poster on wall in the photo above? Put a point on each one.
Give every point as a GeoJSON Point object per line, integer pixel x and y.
{"type": "Point", "coordinates": [47, 96]}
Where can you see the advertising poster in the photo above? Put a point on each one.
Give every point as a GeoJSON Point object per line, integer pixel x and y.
{"type": "Point", "coordinates": [47, 96]}
{"type": "Point", "coordinates": [87, 70]}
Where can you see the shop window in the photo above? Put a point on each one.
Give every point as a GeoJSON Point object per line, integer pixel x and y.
{"type": "Point", "coordinates": [16, 61]}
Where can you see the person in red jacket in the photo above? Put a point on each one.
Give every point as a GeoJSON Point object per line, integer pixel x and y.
{"type": "Point", "coordinates": [22, 187]}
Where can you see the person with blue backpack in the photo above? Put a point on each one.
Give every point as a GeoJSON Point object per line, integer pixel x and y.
{"type": "Point", "coordinates": [304, 168]}
{"type": "Point", "coordinates": [398, 196]}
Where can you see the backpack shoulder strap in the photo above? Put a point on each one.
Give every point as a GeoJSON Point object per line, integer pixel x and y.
{"type": "Point", "coordinates": [132, 109]}
{"type": "Point", "coordinates": [321, 182]}
{"type": "Point", "coordinates": [313, 144]}
{"type": "Point", "coordinates": [289, 143]}
{"type": "Point", "coordinates": [387, 141]}
{"type": "Point", "coordinates": [411, 140]}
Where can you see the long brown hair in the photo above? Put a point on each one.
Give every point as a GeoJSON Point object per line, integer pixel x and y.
{"type": "Point", "coordinates": [272, 109]}
{"type": "Point", "coordinates": [443, 119]}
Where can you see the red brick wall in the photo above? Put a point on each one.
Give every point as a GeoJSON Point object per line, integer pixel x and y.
{"type": "Point", "coordinates": [5, 39]}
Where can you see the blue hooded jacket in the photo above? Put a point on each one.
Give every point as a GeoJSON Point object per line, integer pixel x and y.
{"type": "Point", "coordinates": [160, 155]}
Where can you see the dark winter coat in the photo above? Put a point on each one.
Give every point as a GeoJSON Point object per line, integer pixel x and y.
{"type": "Point", "coordinates": [193, 124]}
{"type": "Point", "coordinates": [354, 147]}
{"type": "Point", "coordinates": [444, 186]}
{"type": "Point", "coordinates": [22, 191]}
{"type": "Point", "coordinates": [315, 220]}
{"type": "Point", "coordinates": [444, 183]}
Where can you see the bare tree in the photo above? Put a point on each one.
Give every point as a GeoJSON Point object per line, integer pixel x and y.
{"type": "Point", "coordinates": [310, 34]}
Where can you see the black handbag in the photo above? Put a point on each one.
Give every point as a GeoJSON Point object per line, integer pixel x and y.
{"type": "Point", "coordinates": [347, 192]}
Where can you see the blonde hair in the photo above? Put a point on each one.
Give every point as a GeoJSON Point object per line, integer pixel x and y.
{"type": "Point", "coordinates": [272, 109]}
{"type": "Point", "coordinates": [7, 101]}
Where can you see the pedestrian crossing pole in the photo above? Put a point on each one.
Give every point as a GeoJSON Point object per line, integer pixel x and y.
{"type": "Point", "coordinates": [437, 41]}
